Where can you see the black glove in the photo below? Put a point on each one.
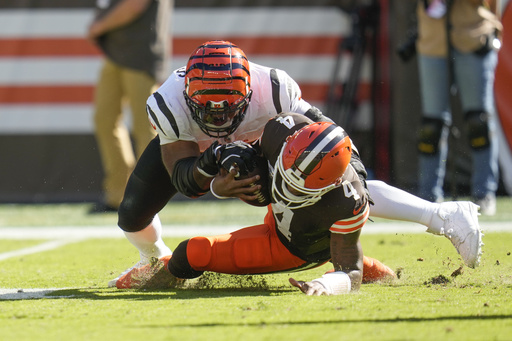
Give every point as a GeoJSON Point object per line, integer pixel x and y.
{"type": "Point", "coordinates": [238, 153]}
{"type": "Point", "coordinates": [207, 161]}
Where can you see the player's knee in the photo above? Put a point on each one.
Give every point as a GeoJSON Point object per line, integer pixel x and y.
{"type": "Point", "coordinates": [430, 135]}
{"type": "Point", "coordinates": [478, 129]}
{"type": "Point", "coordinates": [179, 264]}
{"type": "Point", "coordinates": [128, 221]}
{"type": "Point", "coordinates": [136, 211]}
{"type": "Point", "coordinates": [199, 252]}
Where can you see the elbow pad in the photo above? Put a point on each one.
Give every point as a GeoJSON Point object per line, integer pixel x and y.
{"type": "Point", "coordinates": [360, 169]}
{"type": "Point", "coordinates": [316, 115]}
{"type": "Point", "coordinates": [183, 178]}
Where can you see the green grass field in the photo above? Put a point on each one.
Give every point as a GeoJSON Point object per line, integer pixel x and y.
{"type": "Point", "coordinates": [432, 300]}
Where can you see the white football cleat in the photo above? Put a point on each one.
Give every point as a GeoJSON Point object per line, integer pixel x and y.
{"type": "Point", "coordinates": [112, 283]}
{"type": "Point", "coordinates": [462, 229]}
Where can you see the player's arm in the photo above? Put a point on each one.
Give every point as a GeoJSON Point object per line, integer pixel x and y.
{"type": "Point", "coordinates": [182, 160]}
{"type": "Point", "coordinates": [192, 172]}
{"type": "Point", "coordinates": [122, 14]}
{"type": "Point", "coordinates": [347, 258]}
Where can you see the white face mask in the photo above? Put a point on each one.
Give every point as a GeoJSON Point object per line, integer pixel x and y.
{"type": "Point", "coordinates": [283, 181]}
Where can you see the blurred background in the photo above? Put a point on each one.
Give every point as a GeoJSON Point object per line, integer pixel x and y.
{"type": "Point", "coordinates": [343, 54]}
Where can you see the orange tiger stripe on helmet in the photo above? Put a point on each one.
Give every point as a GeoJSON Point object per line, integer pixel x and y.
{"type": "Point", "coordinates": [217, 86]}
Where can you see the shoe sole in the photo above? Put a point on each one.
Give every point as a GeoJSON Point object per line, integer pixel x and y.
{"type": "Point", "coordinates": [473, 209]}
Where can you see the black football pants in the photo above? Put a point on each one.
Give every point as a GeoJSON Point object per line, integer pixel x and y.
{"type": "Point", "coordinates": [148, 190]}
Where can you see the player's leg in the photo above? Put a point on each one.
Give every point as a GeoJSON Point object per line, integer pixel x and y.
{"type": "Point", "coordinates": [139, 86]}
{"type": "Point", "coordinates": [475, 75]}
{"type": "Point", "coordinates": [434, 131]}
{"type": "Point", "coordinates": [458, 221]}
{"type": "Point", "coordinates": [255, 249]}
{"type": "Point", "coordinates": [252, 250]}
{"type": "Point", "coordinates": [374, 270]}
{"type": "Point", "coordinates": [148, 190]}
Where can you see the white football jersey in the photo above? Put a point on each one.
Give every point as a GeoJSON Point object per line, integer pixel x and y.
{"type": "Point", "coordinates": [273, 92]}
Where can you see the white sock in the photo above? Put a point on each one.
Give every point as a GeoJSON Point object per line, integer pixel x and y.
{"type": "Point", "coordinates": [149, 241]}
{"type": "Point", "coordinates": [396, 204]}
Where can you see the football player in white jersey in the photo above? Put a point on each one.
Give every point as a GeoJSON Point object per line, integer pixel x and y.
{"type": "Point", "coordinates": [220, 97]}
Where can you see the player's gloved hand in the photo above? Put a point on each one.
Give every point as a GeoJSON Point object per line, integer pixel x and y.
{"type": "Point", "coordinates": [207, 161]}
{"type": "Point", "coordinates": [237, 155]}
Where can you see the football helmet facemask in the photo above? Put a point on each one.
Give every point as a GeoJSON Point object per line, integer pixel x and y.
{"type": "Point", "coordinates": [217, 87]}
{"type": "Point", "coordinates": [312, 162]}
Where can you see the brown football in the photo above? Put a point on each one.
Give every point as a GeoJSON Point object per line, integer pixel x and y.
{"type": "Point", "coordinates": [260, 167]}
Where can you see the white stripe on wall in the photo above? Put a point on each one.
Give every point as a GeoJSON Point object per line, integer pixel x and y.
{"type": "Point", "coordinates": [187, 22]}
{"type": "Point", "coordinates": [55, 118]}
{"type": "Point", "coordinates": [46, 119]}
{"type": "Point", "coordinates": [84, 71]}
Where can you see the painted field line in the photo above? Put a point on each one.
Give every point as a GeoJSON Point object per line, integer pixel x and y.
{"type": "Point", "coordinates": [70, 232]}
{"type": "Point", "coordinates": [25, 294]}
{"type": "Point", "coordinates": [50, 245]}
{"type": "Point", "coordinates": [75, 232]}
{"type": "Point", "coordinates": [63, 235]}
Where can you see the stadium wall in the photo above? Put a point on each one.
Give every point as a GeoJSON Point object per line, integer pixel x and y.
{"type": "Point", "coordinates": [48, 72]}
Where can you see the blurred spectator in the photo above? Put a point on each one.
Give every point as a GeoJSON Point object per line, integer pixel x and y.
{"type": "Point", "coordinates": [134, 37]}
{"type": "Point", "coordinates": [458, 53]}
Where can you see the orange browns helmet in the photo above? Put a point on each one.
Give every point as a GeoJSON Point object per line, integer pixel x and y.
{"type": "Point", "coordinates": [312, 162]}
{"type": "Point", "coordinates": [218, 87]}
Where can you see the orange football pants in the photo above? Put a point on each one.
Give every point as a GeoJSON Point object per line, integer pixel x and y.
{"type": "Point", "coordinates": [258, 250]}
{"type": "Point", "coordinates": [251, 250]}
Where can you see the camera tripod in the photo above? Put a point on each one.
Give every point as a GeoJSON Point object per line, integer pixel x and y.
{"type": "Point", "coordinates": [365, 20]}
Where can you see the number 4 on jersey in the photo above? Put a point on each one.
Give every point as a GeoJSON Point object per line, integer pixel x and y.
{"type": "Point", "coordinates": [349, 190]}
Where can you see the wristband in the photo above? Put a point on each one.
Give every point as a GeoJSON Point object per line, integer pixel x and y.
{"type": "Point", "coordinates": [335, 283]}
{"type": "Point", "coordinates": [215, 194]}
{"type": "Point", "coordinates": [207, 161]}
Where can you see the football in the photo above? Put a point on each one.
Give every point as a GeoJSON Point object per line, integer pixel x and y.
{"type": "Point", "coordinates": [259, 167]}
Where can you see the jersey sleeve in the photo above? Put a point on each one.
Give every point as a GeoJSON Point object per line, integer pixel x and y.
{"type": "Point", "coordinates": [167, 114]}
{"type": "Point", "coordinates": [352, 224]}
{"type": "Point", "coordinates": [290, 94]}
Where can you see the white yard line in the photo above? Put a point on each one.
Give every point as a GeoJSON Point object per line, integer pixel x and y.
{"type": "Point", "coordinates": [25, 294]}
{"type": "Point", "coordinates": [63, 235]}
{"type": "Point", "coordinates": [73, 232]}
{"type": "Point", "coordinates": [50, 245]}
